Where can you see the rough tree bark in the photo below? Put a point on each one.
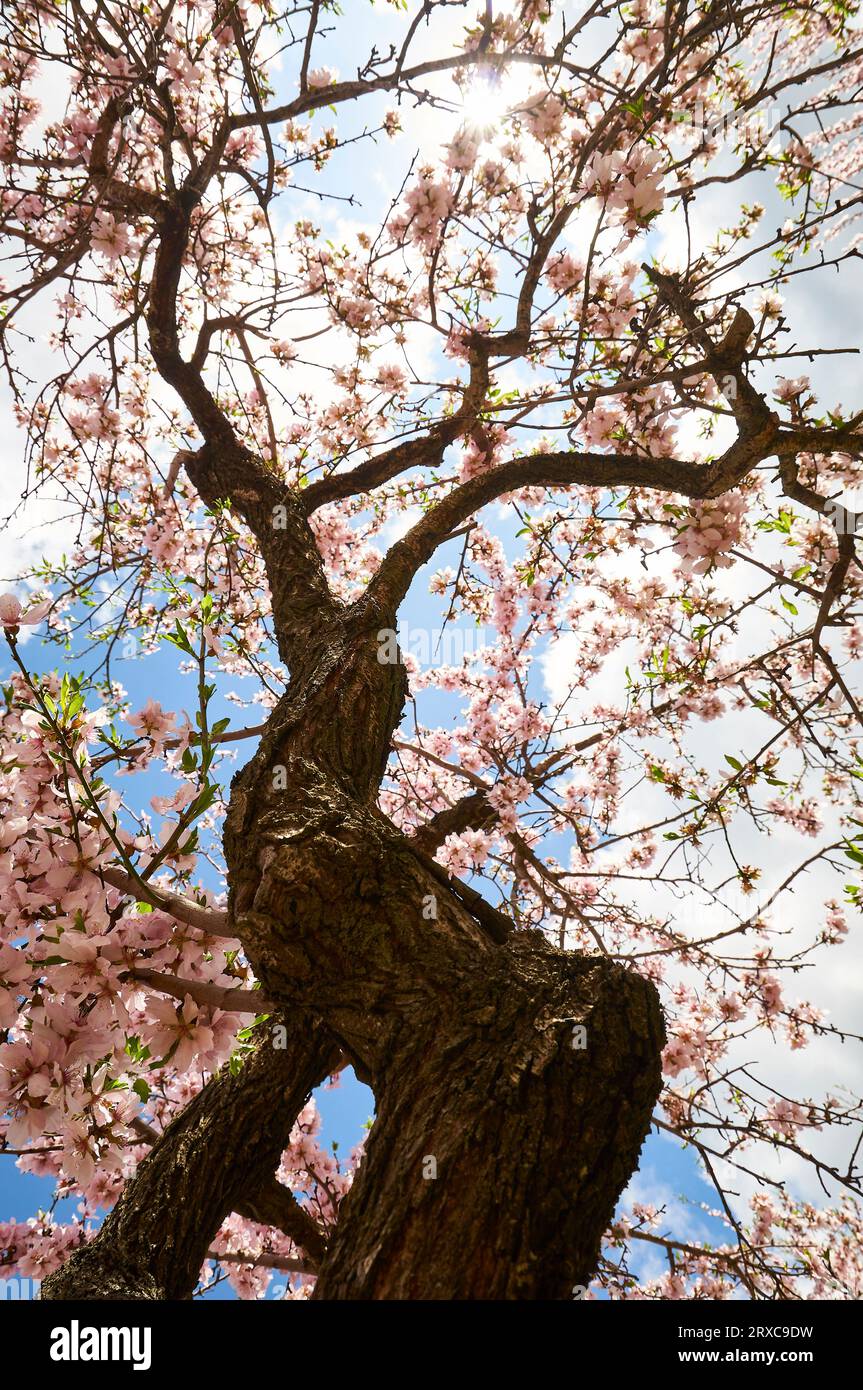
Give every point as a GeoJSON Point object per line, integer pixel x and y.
{"type": "Point", "coordinates": [464, 1032]}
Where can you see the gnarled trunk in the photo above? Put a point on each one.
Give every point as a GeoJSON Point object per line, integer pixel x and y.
{"type": "Point", "coordinates": [509, 1119]}
{"type": "Point", "coordinates": [514, 1082]}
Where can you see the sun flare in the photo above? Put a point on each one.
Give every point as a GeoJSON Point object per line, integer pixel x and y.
{"type": "Point", "coordinates": [488, 101]}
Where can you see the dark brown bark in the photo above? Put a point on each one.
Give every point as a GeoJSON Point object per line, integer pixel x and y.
{"type": "Point", "coordinates": [499, 1149]}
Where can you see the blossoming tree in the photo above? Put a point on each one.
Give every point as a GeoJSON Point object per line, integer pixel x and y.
{"type": "Point", "coordinates": [526, 388]}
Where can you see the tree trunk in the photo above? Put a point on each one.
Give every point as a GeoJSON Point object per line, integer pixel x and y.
{"type": "Point", "coordinates": [513, 1082]}
{"type": "Point", "coordinates": [501, 1144]}
{"type": "Point", "coordinates": [522, 1077]}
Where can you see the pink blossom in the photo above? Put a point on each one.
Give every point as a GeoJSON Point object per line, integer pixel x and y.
{"type": "Point", "coordinates": [169, 1025]}
{"type": "Point", "coordinates": [322, 77]}
{"type": "Point", "coordinates": [110, 238]}
{"type": "Point", "coordinates": [152, 721]}
{"type": "Point", "coordinates": [12, 616]}
{"type": "Point", "coordinates": [790, 388]}
{"type": "Point", "coordinates": [429, 201]}
{"type": "Point", "coordinates": [463, 149]}
{"type": "Point", "coordinates": [713, 528]}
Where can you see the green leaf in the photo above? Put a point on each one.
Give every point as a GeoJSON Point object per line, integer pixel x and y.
{"type": "Point", "coordinates": [204, 801]}
{"type": "Point", "coordinates": [179, 638]}
{"type": "Point", "coordinates": [135, 1049]}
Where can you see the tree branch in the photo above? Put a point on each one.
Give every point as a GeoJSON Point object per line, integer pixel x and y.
{"type": "Point", "coordinates": [273, 1204]}
{"type": "Point", "coordinates": [244, 1001]}
{"type": "Point", "coordinates": [264, 1260]}
{"type": "Point", "coordinates": [224, 1144]}
{"type": "Point", "coordinates": [426, 451]}
{"type": "Point", "coordinates": [561, 470]}
{"type": "Point", "coordinates": [471, 812]}
{"type": "Point", "coordinates": [208, 919]}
